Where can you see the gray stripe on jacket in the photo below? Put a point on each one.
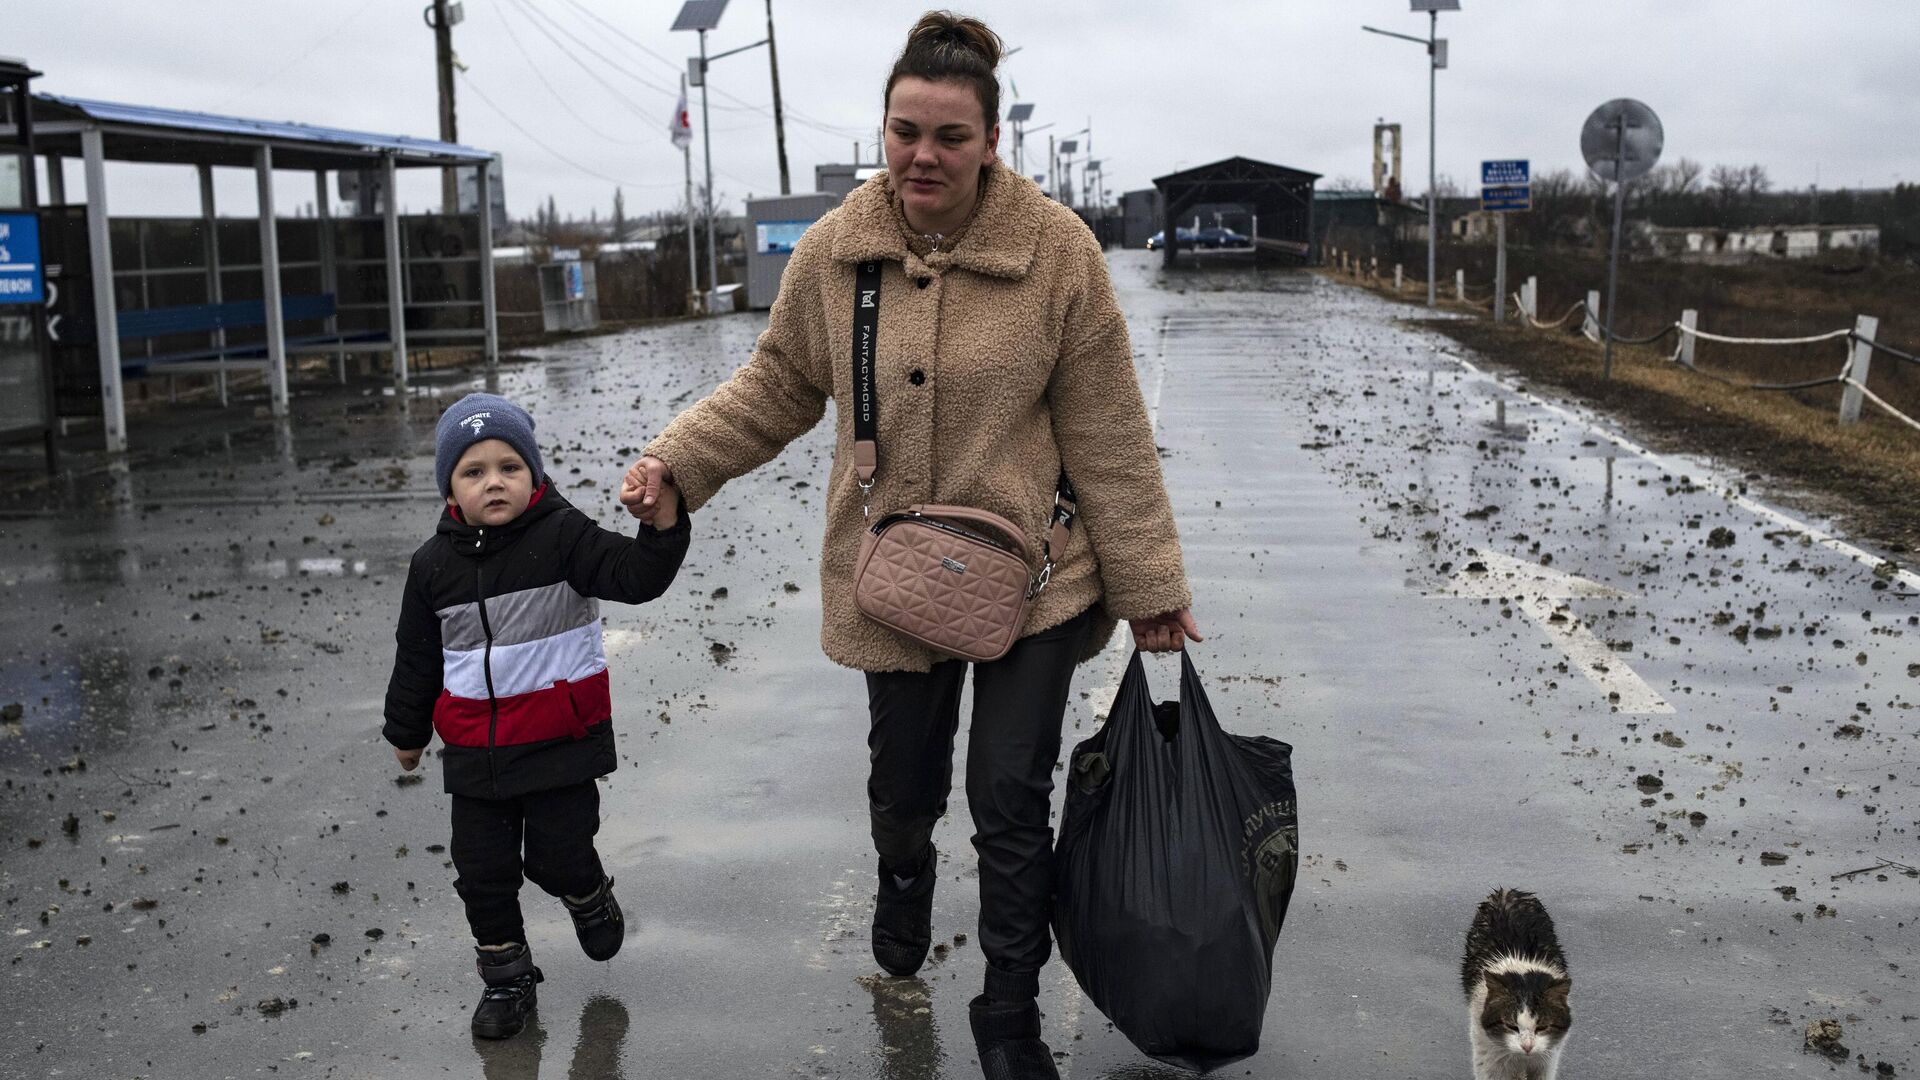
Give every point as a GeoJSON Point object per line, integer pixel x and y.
{"type": "Point", "coordinates": [516, 617]}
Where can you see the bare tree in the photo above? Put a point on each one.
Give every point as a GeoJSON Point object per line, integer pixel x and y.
{"type": "Point", "coordinates": [1729, 183]}
{"type": "Point", "coordinates": [1686, 176]}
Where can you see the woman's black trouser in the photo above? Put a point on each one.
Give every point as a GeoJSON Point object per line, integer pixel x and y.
{"type": "Point", "coordinates": [555, 827]}
{"type": "Point", "coordinates": [1018, 703]}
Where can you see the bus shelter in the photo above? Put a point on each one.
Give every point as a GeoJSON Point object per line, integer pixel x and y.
{"type": "Point", "coordinates": [146, 297]}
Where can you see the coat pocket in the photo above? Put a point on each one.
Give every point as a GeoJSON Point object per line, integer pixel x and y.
{"type": "Point", "coordinates": [592, 702]}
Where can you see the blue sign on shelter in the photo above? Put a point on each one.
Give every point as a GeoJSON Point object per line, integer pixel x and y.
{"type": "Point", "coordinates": [21, 278]}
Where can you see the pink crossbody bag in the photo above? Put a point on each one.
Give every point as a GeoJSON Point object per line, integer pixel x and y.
{"type": "Point", "coordinates": [956, 579]}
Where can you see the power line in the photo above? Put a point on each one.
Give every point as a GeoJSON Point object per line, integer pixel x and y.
{"type": "Point", "coordinates": [741, 103]}
{"type": "Point", "coordinates": [535, 139]}
{"type": "Point", "coordinates": [557, 95]}
{"type": "Point", "coordinates": [282, 69]}
{"type": "Point", "coordinates": [671, 95]}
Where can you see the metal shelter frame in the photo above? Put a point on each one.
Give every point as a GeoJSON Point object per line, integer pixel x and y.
{"type": "Point", "coordinates": [100, 131]}
{"type": "Point", "coordinates": [1277, 195]}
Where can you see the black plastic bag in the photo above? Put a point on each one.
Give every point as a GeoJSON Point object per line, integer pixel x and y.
{"type": "Point", "coordinates": [1175, 864]}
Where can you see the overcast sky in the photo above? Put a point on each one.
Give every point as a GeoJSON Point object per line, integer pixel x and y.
{"type": "Point", "coordinates": [576, 94]}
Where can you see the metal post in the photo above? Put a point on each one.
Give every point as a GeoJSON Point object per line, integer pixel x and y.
{"type": "Point", "coordinates": [329, 273]}
{"type": "Point", "coordinates": [1460, 285]}
{"type": "Point", "coordinates": [1864, 327]}
{"type": "Point", "coordinates": [56, 180]}
{"type": "Point", "coordinates": [694, 306]}
{"type": "Point", "coordinates": [1399, 277]}
{"type": "Point", "coordinates": [113, 400]}
{"type": "Point", "coordinates": [488, 312]}
{"type": "Point", "coordinates": [1433, 211]}
{"type": "Point", "coordinates": [1533, 297]}
{"type": "Point", "coordinates": [779, 121]}
{"type": "Point", "coordinates": [270, 282]}
{"type": "Point", "coordinates": [396, 275]}
{"type": "Point", "coordinates": [1591, 324]}
{"type": "Point", "coordinates": [706, 147]}
{"type": "Point", "coordinates": [1691, 320]}
{"type": "Point", "coordinates": [1500, 269]}
{"type": "Point", "coordinates": [1613, 260]}
{"type": "Point", "coordinates": [210, 224]}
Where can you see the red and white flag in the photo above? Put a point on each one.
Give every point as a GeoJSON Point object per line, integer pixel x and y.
{"type": "Point", "coordinates": [681, 128]}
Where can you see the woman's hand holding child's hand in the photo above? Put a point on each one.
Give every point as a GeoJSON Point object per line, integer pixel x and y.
{"type": "Point", "coordinates": [649, 494]}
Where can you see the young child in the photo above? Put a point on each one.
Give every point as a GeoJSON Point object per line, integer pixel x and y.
{"type": "Point", "coordinates": [500, 653]}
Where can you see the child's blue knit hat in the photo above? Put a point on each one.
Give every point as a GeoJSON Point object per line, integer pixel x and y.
{"type": "Point", "coordinates": [478, 417]}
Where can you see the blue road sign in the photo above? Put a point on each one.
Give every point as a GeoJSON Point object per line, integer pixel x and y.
{"type": "Point", "coordinates": [21, 279]}
{"type": "Point", "coordinates": [1504, 173]}
{"type": "Point", "coordinates": [1516, 197]}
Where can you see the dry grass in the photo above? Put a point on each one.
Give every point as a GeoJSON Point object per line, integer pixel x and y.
{"type": "Point", "coordinates": [1759, 299]}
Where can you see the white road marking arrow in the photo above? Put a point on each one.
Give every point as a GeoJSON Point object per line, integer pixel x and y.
{"type": "Point", "coordinates": [1536, 591]}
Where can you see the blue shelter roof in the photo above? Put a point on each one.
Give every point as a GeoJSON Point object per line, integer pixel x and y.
{"type": "Point", "coordinates": [151, 133]}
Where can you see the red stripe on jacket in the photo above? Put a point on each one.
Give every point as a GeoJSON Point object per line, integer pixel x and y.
{"type": "Point", "coordinates": [562, 710]}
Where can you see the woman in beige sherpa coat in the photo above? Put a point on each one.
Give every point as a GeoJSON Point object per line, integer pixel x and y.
{"type": "Point", "coordinates": [1002, 357]}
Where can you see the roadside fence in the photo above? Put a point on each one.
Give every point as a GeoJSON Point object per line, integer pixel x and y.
{"type": "Point", "coordinates": [1852, 376]}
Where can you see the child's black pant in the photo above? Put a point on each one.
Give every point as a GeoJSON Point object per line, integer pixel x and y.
{"type": "Point", "coordinates": [556, 829]}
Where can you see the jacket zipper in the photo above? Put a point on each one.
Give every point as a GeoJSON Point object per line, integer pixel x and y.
{"type": "Point", "coordinates": [486, 667]}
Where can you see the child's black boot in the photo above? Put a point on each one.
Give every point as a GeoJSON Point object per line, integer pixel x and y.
{"type": "Point", "coordinates": [597, 919]}
{"type": "Point", "coordinates": [509, 998]}
{"type": "Point", "coordinates": [903, 916]}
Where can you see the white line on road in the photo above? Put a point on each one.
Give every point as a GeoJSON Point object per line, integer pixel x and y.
{"type": "Point", "coordinates": [1907, 578]}
{"type": "Point", "coordinates": [1536, 590]}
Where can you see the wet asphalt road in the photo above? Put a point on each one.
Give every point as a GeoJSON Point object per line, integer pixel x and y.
{"type": "Point", "coordinates": [209, 867]}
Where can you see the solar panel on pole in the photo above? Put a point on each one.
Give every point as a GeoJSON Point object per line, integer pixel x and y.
{"type": "Point", "coordinates": [700, 15]}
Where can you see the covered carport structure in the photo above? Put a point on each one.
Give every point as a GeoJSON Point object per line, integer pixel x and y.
{"type": "Point", "coordinates": [96, 132]}
{"type": "Point", "coordinates": [1279, 198]}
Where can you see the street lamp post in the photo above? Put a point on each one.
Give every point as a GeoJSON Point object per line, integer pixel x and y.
{"type": "Point", "coordinates": [1018, 115]}
{"type": "Point", "coordinates": [1436, 59]}
{"type": "Point", "coordinates": [702, 16]}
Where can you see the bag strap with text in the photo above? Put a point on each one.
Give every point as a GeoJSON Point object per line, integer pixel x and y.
{"type": "Point", "coordinates": [866, 427]}
{"type": "Point", "coordinates": [866, 336]}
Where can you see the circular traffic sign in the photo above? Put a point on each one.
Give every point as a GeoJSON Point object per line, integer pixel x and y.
{"type": "Point", "coordinates": [1622, 131]}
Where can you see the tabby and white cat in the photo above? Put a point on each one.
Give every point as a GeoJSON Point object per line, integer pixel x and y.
{"type": "Point", "coordinates": [1516, 981]}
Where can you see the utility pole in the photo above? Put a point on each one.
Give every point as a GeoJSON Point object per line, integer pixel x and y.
{"type": "Point", "coordinates": [779, 121]}
{"type": "Point", "coordinates": [440, 17]}
{"type": "Point", "coordinates": [1433, 213]}
{"type": "Point", "coordinates": [706, 148]}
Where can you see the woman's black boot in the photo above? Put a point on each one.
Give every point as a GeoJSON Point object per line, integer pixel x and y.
{"type": "Point", "coordinates": [903, 916]}
{"type": "Point", "coordinates": [1007, 1036]}
{"type": "Point", "coordinates": [597, 920]}
{"type": "Point", "coordinates": [509, 998]}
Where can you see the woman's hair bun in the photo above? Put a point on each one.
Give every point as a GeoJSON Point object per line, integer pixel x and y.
{"type": "Point", "coordinates": [945, 46]}
{"type": "Point", "coordinates": [940, 31]}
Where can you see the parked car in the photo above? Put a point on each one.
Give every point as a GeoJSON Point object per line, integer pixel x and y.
{"type": "Point", "coordinates": [1185, 238]}
{"type": "Point", "coordinates": [1217, 237]}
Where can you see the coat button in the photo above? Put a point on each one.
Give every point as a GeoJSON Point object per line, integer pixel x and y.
{"type": "Point", "coordinates": [923, 282]}
{"type": "Point", "coordinates": [917, 377]}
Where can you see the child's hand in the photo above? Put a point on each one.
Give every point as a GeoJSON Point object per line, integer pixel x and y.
{"type": "Point", "coordinates": [408, 759]}
{"type": "Point", "coordinates": [666, 507]}
{"type": "Point", "coordinates": [640, 488]}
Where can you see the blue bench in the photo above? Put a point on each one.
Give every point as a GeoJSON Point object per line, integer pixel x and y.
{"type": "Point", "coordinates": [232, 315]}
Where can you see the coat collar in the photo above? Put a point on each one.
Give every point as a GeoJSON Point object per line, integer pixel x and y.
{"type": "Point", "coordinates": [1001, 241]}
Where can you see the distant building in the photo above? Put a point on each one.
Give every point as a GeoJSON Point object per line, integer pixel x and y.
{"type": "Point", "coordinates": [1139, 216]}
{"type": "Point", "coordinates": [1773, 241]}
{"type": "Point", "coordinates": [1361, 221]}
{"type": "Point", "coordinates": [840, 180]}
